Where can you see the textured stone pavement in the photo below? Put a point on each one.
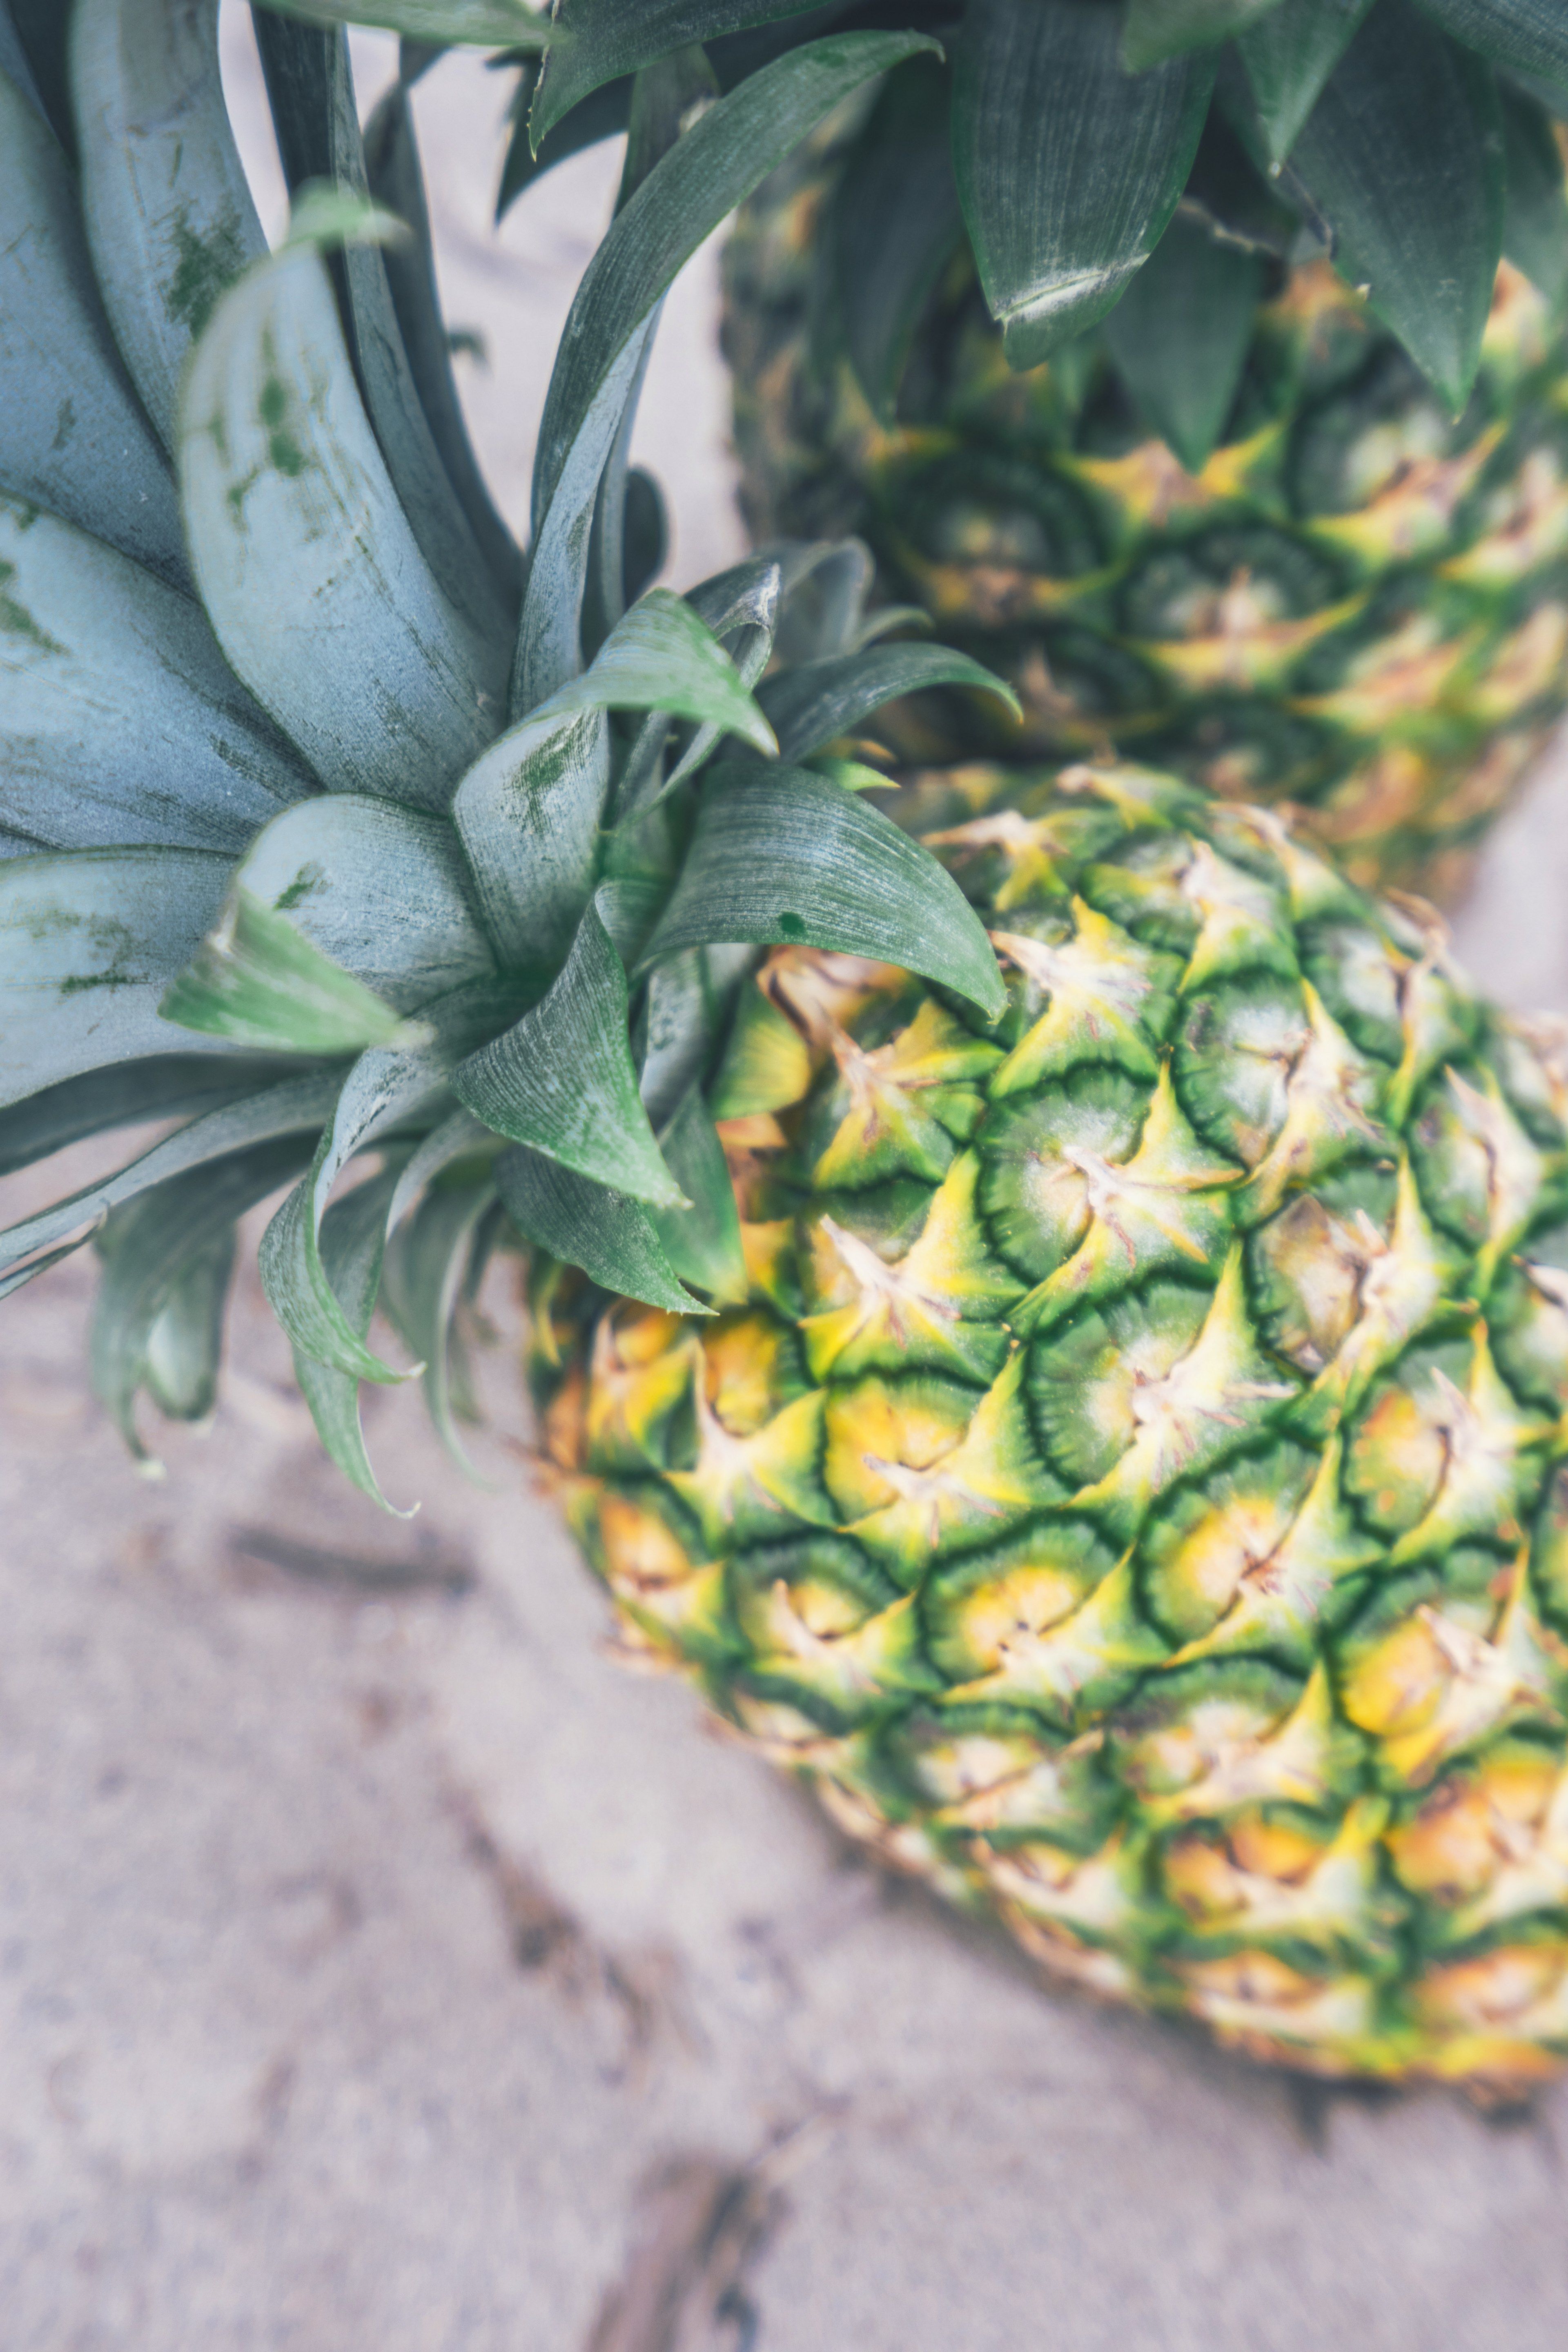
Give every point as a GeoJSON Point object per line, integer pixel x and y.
{"type": "Point", "coordinates": [382, 1969]}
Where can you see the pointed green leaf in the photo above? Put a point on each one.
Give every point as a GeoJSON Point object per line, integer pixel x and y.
{"type": "Point", "coordinates": [352, 1243]}
{"type": "Point", "coordinates": [528, 815]}
{"type": "Point", "coordinates": [1289, 55]}
{"type": "Point", "coordinates": [292, 1106]}
{"type": "Point", "coordinates": [896, 223]}
{"type": "Point", "coordinates": [460, 1136]}
{"type": "Point", "coordinates": [1531, 35]}
{"type": "Point", "coordinates": [425, 1266]}
{"type": "Point", "coordinates": [480, 24]}
{"type": "Point", "coordinates": [88, 942]}
{"type": "Point", "coordinates": [702, 1242]}
{"type": "Point", "coordinates": [813, 705]}
{"type": "Point", "coordinates": [1535, 219]}
{"type": "Point", "coordinates": [41, 29]}
{"type": "Point", "coordinates": [127, 1094]}
{"type": "Point", "coordinates": [561, 1080]}
{"type": "Point", "coordinates": [391, 163]}
{"type": "Point", "coordinates": [662, 657]}
{"type": "Point", "coordinates": [1068, 167]}
{"type": "Point", "coordinates": [256, 979]}
{"type": "Point", "coordinates": [739, 607]}
{"type": "Point", "coordinates": [1403, 156]}
{"type": "Point", "coordinates": [150, 1245]}
{"type": "Point", "coordinates": [610, 1237]}
{"type": "Point", "coordinates": [1180, 336]}
{"type": "Point", "coordinates": [184, 1341]}
{"type": "Point", "coordinates": [386, 1090]}
{"type": "Point", "coordinates": [381, 890]}
{"type": "Point", "coordinates": [687, 1006]}
{"type": "Point", "coordinates": [1153, 30]}
{"type": "Point", "coordinates": [15, 65]}
{"type": "Point", "coordinates": [309, 85]}
{"type": "Point", "coordinates": [169, 214]}
{"type": "Point", "coordinates": [603, 114]}
{"type": "Point", "coordinates": [596, 41]}
{"type": "Point", "coordinates": [781, 857]}
{"type": "Point", "coordinates": [302, 548]}
{"type": "Point", "coordinates": [119, 720]}
{"type": "Point", "coordinates": [824, 583]}
{"type": "Point", "coordinates": [72, 436]}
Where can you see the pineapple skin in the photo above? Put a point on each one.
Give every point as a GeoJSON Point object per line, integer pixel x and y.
{"type": "Point", "coordinates": [1134, 1494]}
{"type": "Point", "coordinates": [1358, 608]}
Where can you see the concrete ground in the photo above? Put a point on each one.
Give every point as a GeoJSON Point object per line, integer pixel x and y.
{"type": "Point", "coordinates": [384, 1969]}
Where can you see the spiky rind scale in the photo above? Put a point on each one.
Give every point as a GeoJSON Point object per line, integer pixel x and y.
{"type": "Point", "coordinates": [1134, 1494]}
{"type": "Point", "coordinates": [1359, 607]}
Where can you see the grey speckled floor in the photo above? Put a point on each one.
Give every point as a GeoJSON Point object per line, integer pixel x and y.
{"type": "Point", "coordinates": [383, 1969]}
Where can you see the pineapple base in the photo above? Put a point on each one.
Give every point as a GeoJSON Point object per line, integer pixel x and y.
{"type": "Point", "coordinates": [1133, 1494]}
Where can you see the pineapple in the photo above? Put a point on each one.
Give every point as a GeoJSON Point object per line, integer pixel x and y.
{"type": "Point", "coordinates": [1215, 397]}
{"type": "Point", "coordinates": [1068, 1348]}
{"type": "Point", "coordinates": [1133, 1493]}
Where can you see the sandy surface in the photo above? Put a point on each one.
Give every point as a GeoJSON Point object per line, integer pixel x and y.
{"type": "Point", "coordinates": [382, 1969]}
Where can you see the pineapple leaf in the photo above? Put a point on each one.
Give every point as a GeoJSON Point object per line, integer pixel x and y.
{"type": "Point", "coordinates": [1180, 336]}
{"type": "Point", "coordinates": [1156, 29]}
{"type": "Point", "coordinates": [256, 979]}
{"type": "Point", "coordinates": [1531, 35]}
{"type": "Point", "coordinates": [426, 1264]}
{"type": "Point", "coordinates": [279, 472]}
{"type": "Point", "coordinates": [382, 890]}
{"type": "Point", "coordinates": [821, 700]}
{"type": "Point", "coordinates": [1288, 57]}
{"type": "Point", "coordinates": [1403, 156]}
{"type": "Point", "coordinates": [88, 942]}
{"type": "Point", "coordinates": [603, 114]}
{"type": "Point", "coordinates": [561, 1079]}
{"type": "Point", "coordinates": [169, 214]}
{"type": "Point", "coordinates": [184, 1343]}
{"type": "Point", "coordinates": [120, 720]}
{"type": "Point", "coordinates": [896, 223]}
{"type": "Point", "coordinates": [663, 656]}
{"type": "Point", "coordinates": [353, 1245]}
{"type": "Point", "coordinates": [477, 24]}
{"type": "Point", "coordinates": [609, 1235]}
{"type": "Point", "coordinates": [702, 1242]}
{"type": "Point", "coordinates": [14, 63]}
{"type": "Point", "coordinates": [739, 607]}
{"type": "Point", "coordinates": [295, 1106]}
{"type": "Point", "coordinates": [391, 165]}
{"type": "Point", "coordinates": [310, 89]}
{"type": "Point", "coordinates": [596, 41]}
{"type": "Point", "coordinates": [528, 815]}
{"type": "Point", "coordinates": [1068, 168]}
{"type": "Point", "coordinates": [41, 29]}
{"type": "Point", "coordinates": [462, 1137]}
{"type": "Point", "coordinates": [782, 857]}
{"type": "Point", "coordinates": [73, 438]}
{"type": "Point", "coordinates": [386, 1088]}
{"type": "Point", "coordinates": [124, 1094]}
{"type": "Point", "coordinates": [151, 1246]}
{"type": "Point", "coordinates": [1535, 222]}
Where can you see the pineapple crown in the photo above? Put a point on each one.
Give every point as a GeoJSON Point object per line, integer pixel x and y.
{"type": "Point", "coordinates": [1152, 164]}
{"type": "Point", "coordinates": [330, 828]}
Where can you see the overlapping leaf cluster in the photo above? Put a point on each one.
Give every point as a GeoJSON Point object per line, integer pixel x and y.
{"type": "Point", "coordinates": [1148, 162]}
{"type": "Point", "coordinates": [326, 832]}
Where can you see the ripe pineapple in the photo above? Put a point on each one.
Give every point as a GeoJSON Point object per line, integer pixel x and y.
{"type": "Point", "coordinates": [1105, 408]}
{"type": "Point", "coordinates": [1132, 1491]}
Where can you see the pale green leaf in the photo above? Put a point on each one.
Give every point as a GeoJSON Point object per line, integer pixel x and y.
{"type": "Point", "coordinates": [1068, 167]}
{"type": "Point", "coordinates": [1531, 35]}
{"type": "Point", "coordinates": [381, 889]}
{"type": "Point", "coordinates": [597, 41]}
{"type": "Point", "coordinates": [184, 1341]}
{"type": "Point", "coordinates": [126, 1094]}
{"type": "Point", "coordinates": [352, 1243]}
{"type": "Point", "coordinates": [72, 436]}
{"type": "Point", "coordinates": [257, 980]}
{"type": "Point", "coordinates": [820, 701]}
{"type": "Point", "coordinates": [781, 856]}
{"type": "Point", "coordinates": [896, 223]}
{"type": "Point", "coordinates": [528, 815]}
{"type": "Point", "coordinates": [425, 1266]}
{"type": "Point", "coordinates": [609, 1235]}
{"type": "Point", "coordinates": [561, 1079]}
{"type": "Point", "coordinates": [302, 548]}
{"type": "Point", "coordinates": [702, 1242]}
{"type": "Point", "coordinates": [1181, 333]}
{"type": "Point", "coordinates": [291, 1106]}
{"type": "Point", "coordinates": [119, 720]}
{"type": "Point", "coordinates": [88, 942]}
{"type": "Point", "coordinates": [169, 214]}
